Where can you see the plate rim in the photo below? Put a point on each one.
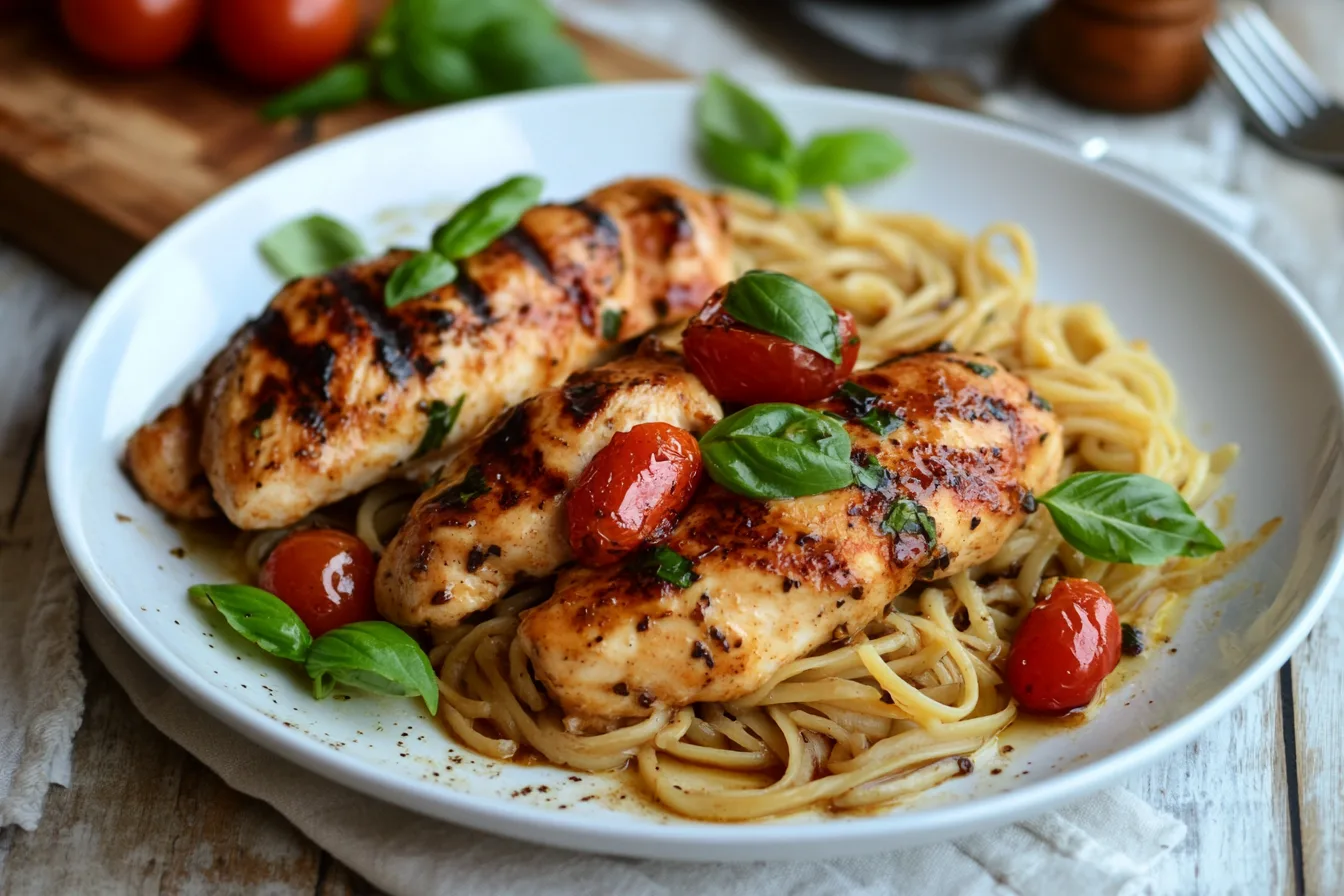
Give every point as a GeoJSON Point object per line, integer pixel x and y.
{"type": "Point", "coordinates": [689, 840]}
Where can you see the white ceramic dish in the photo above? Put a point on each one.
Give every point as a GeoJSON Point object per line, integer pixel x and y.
{"type": "Point", "coordinates": [1253, 363]}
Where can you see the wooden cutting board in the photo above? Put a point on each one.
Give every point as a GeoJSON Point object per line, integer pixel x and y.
{"type": "Point", "coordinates": [93, 164]}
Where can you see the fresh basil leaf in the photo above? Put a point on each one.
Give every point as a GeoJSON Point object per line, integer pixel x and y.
{"type": "Point", "coordinates": [403, 85]}
{"type": "Point", "coordinates": [869, 473]}
{"type": "Point", "coordinates": [909, 516]}
{"type": "Point", "coordinates": [612, 319]}
{"type": "Point", "coordinates": [882, 421]}
{"type": "Point", "coordinates": [784, 307]}
{"type": "Point", "coordinates": [417, 277]}
{"type": "Point", "coordinates": [385, 39]}
{"type": "Point", "coordinates": [863, 406]}
{"type": "Point", "coordinates": [444, 72]}
{"type": "Point", "coordinates": [771, 451]}
{"type": "Point", "coordinates": [487, 217]}
{"type": "Point", "coordinates": [258, 616]}
{"type": "Point", "coordinates": [1127, 518]}
{"type": "Point", "coordinates": [308, 246]}
{"type": "Point", "coordinates": [666, 564]}
{"type": "Point", "coordinates": [728, 111]}
{"type": "Point", "coordinates": [850, 157]}
{"type": "Point", "coordinates": [343, 84]}
{"type": "Point", "coordinates": [462, 21]}
{"type": "Point", "coordinates": [472, 486]}
{"type": "Point", "coordinates": [527, 55]}
{"type": "Point", "coordinates": [442, 418]}
{"type": "Point", "coordinates": [372, 656]}
{"type": "Point", "coordinates": [749, 168]}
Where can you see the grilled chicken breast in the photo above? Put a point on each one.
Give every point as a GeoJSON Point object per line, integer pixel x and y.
{"type": "Point", "coordinates": [779, 579]}
{"type": "Point", "coordinates": [328, 391]}
{"type": "Point", "coordinates": [457, 554]}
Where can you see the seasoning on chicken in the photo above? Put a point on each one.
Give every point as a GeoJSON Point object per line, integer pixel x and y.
{"type": "Point", "coordinates": [779, 579]}
{"type": "Point", "coordinates": [329, 391]}
{"type": "Point", "coordinates": [496, 516]}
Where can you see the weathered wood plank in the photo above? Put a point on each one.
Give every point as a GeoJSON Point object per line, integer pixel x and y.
{"type": "Point", "coordinates": [143, 816]}
{"type": "Point", "coordinates": [1228, 788]}
{"type": "Point", "coordinates": [1318, 700]}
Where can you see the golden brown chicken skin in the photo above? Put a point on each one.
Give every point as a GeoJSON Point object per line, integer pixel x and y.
{"type": "Point", "coordinates": [456, 555]}
{"type": "Point", "coordinates": [329, 391]}
{"type": "Point", "coordinates": [779, 579]}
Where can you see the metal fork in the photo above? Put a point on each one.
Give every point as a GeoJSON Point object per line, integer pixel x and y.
{"type": "Point", "coordinates": [1286, 101]}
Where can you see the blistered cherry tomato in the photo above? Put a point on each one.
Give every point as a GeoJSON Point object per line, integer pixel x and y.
{"type": "Point", "coordinates": [278, 42]}
{"type": "Point", "coordinates": [325, 575]}
{"type": "Point", "coordinates": [1067, 645]}
{"type": "Point", "coordinates": [631, 490]}
{"type": "Point", "coordinates": [132, 34]}
{"type": "Point", "coordinates": [746, 366]}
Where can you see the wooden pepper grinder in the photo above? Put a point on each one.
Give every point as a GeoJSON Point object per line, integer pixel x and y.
{"type": "Point", "coordinates": [1124, 55]}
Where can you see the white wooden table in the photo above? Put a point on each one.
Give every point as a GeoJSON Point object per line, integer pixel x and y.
{"type": "Point", "coordinates": [1262, 791]}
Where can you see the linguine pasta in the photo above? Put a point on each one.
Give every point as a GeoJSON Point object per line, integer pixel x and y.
{"type": "Point", "coordinates": [915, 698]}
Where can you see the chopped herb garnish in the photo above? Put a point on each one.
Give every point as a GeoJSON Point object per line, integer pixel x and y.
{"type": "Point", "coordinates": [882, 421]}
{"type": "Point", "coordinates": [985, 370]}
{"type": "Point", "coordinates": [666, 564]}
{"type": "Point", "coordinates": [442, 417]}
{"type": "Point", "coordinates": [1040, 402]}
{"type": "Point", "coordinates": [857, 399]}
{"type": "Point", "coordinates": [853, 340]}
{"type": "Point", "coordinates": [612, 319]}
{"type": "Point", "coordinates": [1131, 640]}
{"type": "Point", "coordinates": [472, 486]}
{"type": "Point", "coordinates": [256, 431]}
{"type": "Point", "coordinates": [910, 517]}
{"type": "Point", "coordinates": [868, 473]}
{"type": "Point", "coordinates": [863, 406]}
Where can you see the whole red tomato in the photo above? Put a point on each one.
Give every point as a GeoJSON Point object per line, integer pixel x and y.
{"type": "Point", "coordinates": [325, 575]}
{"type": "Point", "coordinates": [275, 43]}
{"type": "Point", "coordinates": [747, 366]}
{"type": "Point", "coordinates": [133, 35]}
{"type": "Point", "coordinates": [1066, 647]}
{"type": "Point", "coordinates": [630, 490]}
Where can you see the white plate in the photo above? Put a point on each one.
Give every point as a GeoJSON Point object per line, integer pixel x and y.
{"type": "Point", "coordinates": [1254, 366]}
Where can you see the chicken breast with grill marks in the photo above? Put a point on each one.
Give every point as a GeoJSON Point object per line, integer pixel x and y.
{"type": "Point", "coordinates": [328, 391]}
{"type": "Point", "coordinates": [459, 551]}
{"type": "Point", "coordinates": [779, 579]}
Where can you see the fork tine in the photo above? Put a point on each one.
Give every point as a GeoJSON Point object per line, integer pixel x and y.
{"type": "Point", "coordinates": [1292, 63]}
{"type": "Point", "coordinates": [1245, 84]}
{"type": "Point", "coordinates": [1274, 74]}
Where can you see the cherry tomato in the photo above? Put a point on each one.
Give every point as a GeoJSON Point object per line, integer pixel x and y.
{"type": "Point", "coordinates": [325, 575]}
{"type": "Point", "coordinates": [132, 34]}
{"type": "Point", "coordinates": [747, 366]}
{"type": "Point", "coordinates": [631, 490]}
{"type": "Point", "coordinates": [279, 42]}
{"type": "Point", "coordinates": [1068, 643]}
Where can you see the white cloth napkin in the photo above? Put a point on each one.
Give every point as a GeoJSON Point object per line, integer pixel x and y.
{"type": "Point", "coordinates": [1113, 843]}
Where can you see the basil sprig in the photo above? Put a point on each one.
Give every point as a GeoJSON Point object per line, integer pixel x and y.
{"type": "Point", "coordinates": [770, 451]}
{"type": "Point", "coordinates": [784, 307]}
{"type": "Point", "coordinates": [341, 85]}
{"type": "Point", "coordinates": [372, 656]}
{"type": "Point", "coordinates": [470, 229]}
{"type": "Point", "coordinates": [1127, 518]}
{"type": "Point", "coordinates": [310, 245]}
{"type": "Point", "coordinates": [258, 616]}
{"type": "Point", "coordinates": [743, 142]}
{"type": "Point", "coordinates": [425, 52]}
